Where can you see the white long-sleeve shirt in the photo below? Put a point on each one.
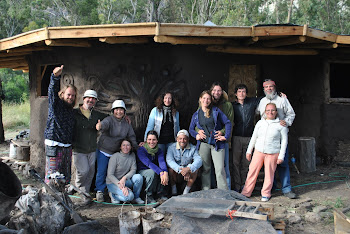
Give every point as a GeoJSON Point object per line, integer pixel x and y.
{"type": "Point", "coordinates": [269, 137]}
{"type": "Point", "coordinates": [284, 109]}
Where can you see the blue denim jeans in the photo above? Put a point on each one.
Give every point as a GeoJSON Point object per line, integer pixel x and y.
{"type": "Point", "coordinates": [284, 174]}
{"type": "Point", "coordinates": [164, 147]}
{"type": "Point", "coordinates": [102, 165]}
{"type": "Point", "coordinates": [135, 183]}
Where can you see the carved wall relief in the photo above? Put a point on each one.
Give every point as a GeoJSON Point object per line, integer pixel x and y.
{"type": "Point", "coordinates": [138, 85]}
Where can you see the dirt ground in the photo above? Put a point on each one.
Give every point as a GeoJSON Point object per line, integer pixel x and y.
{"type": "Point", "coordinates": [326, 188]}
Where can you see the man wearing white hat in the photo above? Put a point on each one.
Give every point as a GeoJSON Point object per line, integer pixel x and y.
{"type": "Point", "coordinates": [184, 161]}
{"type": "Point", "coordinates": [84, 141]}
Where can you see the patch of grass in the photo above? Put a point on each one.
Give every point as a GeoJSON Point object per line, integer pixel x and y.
{"type": "Point", "coordinates": [337, 203]}
{"type": "Point", "coordinates": [16, 115]}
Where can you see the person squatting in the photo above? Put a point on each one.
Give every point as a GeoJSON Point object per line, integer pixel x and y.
{"type": "Point", "coordinates": [166, 163]}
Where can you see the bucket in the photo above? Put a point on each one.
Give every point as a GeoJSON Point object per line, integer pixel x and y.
{"type": "Point", "coordinates": [129, 222]}
{"type": "Point", "coordinates": [12, 150]}
{"type": "Point", "coordinates": [151, 220]}
{"type": "Point", "coordinates": [10, 190]}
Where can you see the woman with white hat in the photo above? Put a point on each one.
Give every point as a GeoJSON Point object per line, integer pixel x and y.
{"type": "Point", "coordinates": [114, 128]}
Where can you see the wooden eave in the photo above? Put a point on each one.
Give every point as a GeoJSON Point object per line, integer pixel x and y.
{"type": "Point", "coordinates": [260, 39]}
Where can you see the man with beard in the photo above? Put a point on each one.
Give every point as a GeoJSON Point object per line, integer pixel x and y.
{"type": "Point", "coordinates": [220, 100]}
{"type": "Point", "coordinates": [84, 142]}
{"type": "Point", "coordinates": [59, 127]}
{"type": "Point", "coordinates": [286, 115]}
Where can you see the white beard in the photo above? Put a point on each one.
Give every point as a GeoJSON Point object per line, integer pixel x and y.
{"type": "Point", "coordinates": [271, 96]}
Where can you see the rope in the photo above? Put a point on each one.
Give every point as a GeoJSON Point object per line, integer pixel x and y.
{"type": "Point", "coordinates": [230, 214]}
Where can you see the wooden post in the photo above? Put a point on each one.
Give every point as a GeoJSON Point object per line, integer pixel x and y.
{"type": "Point", "coordinates": [307, 154]}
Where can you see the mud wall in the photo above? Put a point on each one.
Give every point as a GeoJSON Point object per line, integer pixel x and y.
{"type": "Point", "coordinates": [139, 73]}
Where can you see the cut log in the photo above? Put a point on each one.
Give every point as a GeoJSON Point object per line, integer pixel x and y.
{"type": "Point", "coordinates": [307, 154]}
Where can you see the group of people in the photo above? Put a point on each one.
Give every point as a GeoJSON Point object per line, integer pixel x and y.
{"type": "Point", "coordinates": [166, 156]}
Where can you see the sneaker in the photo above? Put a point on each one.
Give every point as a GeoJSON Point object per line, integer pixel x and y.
{"type": "Point", "coordinates": [265, 199]}
{"type": "Point", "coordinates": [290, 195]}
{"type": "Point", "coordinates": [99, 196]}
{"type": "Point", "coordinates": [113, 200]}
{"type": "Point", "coordinates": [139, 201]}
{"type": "Point", "coordinates": [150, 199]}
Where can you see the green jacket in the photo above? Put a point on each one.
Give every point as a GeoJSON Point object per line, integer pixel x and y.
{"type": "Point", "coordinates": [85, 133]}
{"type": "Point", "coordinates": [226, 107]}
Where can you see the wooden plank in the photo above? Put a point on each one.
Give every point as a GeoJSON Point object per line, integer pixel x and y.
{"type": "Point", "coordinates": [167, 29]}
{"type": "Point", "coordinates": [341, 39]}
{"type": "Point", "coordinates": [341, 222]}
{"type": "Point", "coordinates": [22, 39]}
{"type": "Point", "coordinates": [261, 51]}
{"type": "Point", "coordinates": [27, 49]}
{"type": "Point", "coordinates": [326, 36]}
{"type": "Point", "coordinates": [250, 215]}
{"type": "Point", "coordinates": [14, 58]}
{"type": "Point", "coordinates": [193, 40]}
{"type": "Point", "coordinates": [319, 46]}
{"type": "Point", "coordinates": [9, 55]}
{"type": "Point", "coordinates": [68, 42]}
{"type": "Point", "coordinates": [124, 40]}
{"type": "Point", "coordinates": [278, 31]}
{"type": "Point", "coordinates": [20, 68]}
{"type": "Point", "coordinates": [284, 41]}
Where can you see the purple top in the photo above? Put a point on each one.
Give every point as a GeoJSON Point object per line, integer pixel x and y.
{"type": "Point", "coordinates": [146, 161]}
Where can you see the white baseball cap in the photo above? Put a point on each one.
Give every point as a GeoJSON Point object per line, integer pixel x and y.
{"type": "Point", "coordinates": [90, 93]}
{"type": "Point", "coordinates": [118, 104]}
{"type": "Point", "coordinates": [184, 132]}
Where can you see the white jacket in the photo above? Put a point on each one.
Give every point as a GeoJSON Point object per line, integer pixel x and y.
{"type": "Point", "coordinates": [284, 109]}
{"type": "Point", "coordinates": [269, 137]}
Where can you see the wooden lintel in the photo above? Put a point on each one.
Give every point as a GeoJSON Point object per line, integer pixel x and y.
{"type": "Point", "coordinates": [68, 42]}
{"type": "Point", "coordinates": [261, 51]}
{"type": "Point", "coordinates": [13, 64]}
{"type": "Point", "coordinates": [9, 59]}
{"type": "Point", "coordinates": [193, 40]}
{"type": "Point", "coordinates": [7, 55]}
{"type": "Point", "coordinates": [250, 41]}
{"type": "Point", "coordinates": [284, 41]}
{"type": "Point", "coordinates": [20, 68]}
{"type": "Point", "coordinates": [26, 49]}
{"type": "Point", "coordinates": [319, 46]}
{"type": "Point", "coordinates": [124, 40]}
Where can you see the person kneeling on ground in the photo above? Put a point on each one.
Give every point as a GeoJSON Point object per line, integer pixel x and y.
{"type": "Point", "coordinates": [184, 161]}
{"type": "Point", "coordinates": [152, 166]}
{"type": "Point", "coordinates": [121, 175]}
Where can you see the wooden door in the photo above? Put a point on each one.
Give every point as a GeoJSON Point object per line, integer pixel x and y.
{"type": "Point", "coordinates": [243, 74]}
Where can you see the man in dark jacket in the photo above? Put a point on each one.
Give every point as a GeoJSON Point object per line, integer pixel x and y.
{"type": "Point", "coordinates": [85, 137]}
{"type": "Point", "coordinates": [244, 113]}
{"type": "Point", "coordinates": [59, 127]}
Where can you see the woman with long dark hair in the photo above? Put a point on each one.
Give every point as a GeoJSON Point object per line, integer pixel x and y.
{"type": "Point", "coordinates": [164, 119]}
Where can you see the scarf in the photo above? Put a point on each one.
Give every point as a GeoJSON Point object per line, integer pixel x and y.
{"type": "Point", "coordinates": [166, 113]}
{"type": "Point", "coordinates": [150, 150]}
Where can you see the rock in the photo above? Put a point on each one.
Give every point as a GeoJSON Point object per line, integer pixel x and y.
{"type": "Point", "coordinates": [312, 217]}
{"type": "Point", "coordinates": [304, 208]}
{"type": "Point", "coordinates": [298, 203]}
{"type": "Point", "coordinates": [319, 209]}
{"type": "Point", "coordinates": [93, 227]}
{"type": "Point", "coordinates": [294, 218]}
{"type": "Point", "coordinates": [326, 214]}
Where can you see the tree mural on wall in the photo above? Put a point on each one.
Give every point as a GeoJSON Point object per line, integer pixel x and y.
{"type": "Point", "coordinates": [139, 85]}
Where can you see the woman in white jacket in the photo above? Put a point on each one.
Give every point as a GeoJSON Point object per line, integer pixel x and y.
{"type": "Point", "coordinates": [164, 119]}
{"type": "Point", "coordinates": [269, 140]}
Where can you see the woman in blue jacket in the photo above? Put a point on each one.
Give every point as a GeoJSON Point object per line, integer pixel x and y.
{"type": "Point", "coordinates": [164, 119]}
{"type": "Point", "coordinates": [209, 120]}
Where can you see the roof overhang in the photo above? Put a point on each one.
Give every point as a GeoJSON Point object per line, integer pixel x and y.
{"type": "Point", "coordinates": [256, 40]}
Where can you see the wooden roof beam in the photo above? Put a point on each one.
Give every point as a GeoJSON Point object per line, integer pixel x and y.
{"type": "Point", "coordinates": [193, 40]}
{"type": "Point", "coordinates": [11, 59]}
{"type": "Point", "coordinates": [250, 41]}
{"type": "Point", "coordinates": [26, 49]}
{"type": "Point", "coordinates": [7, 55]}
{"type": "Point", "coordinates": [124, 40]}
{"type": "Point", "coordinates": [284, 41]}
{"type": "Point", "coordinates": [20, 68]}
{"type": "Point", "coordinates": [319, 46]}
{"type": "Point", "coordinates": [68, 42]}
{"type": "Point", "coordinates": [261, 51]}
{"type": "Point", "coordinates": [13, 63]}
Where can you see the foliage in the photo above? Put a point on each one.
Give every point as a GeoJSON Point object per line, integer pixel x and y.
{"type": "Point", "coordinates": [16, 115]}
{"type": "Point", "coordinates": [18, 16]}
{"type": "Point", "coordinates": [15, 85]}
